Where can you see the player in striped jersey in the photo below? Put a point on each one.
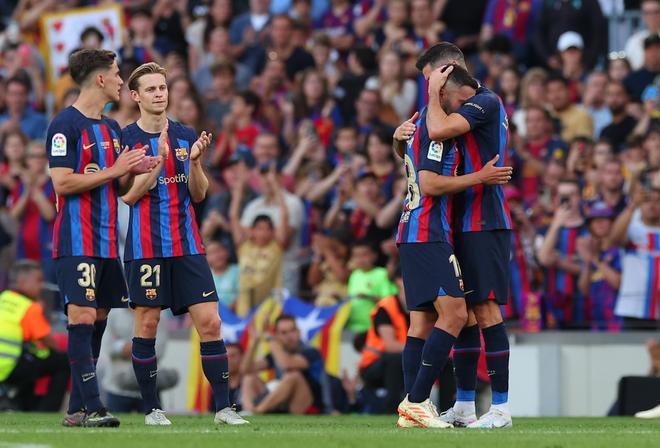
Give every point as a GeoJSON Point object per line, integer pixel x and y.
{"type": "Point", "coordinates": [431, 274]}
{"type": "Point", "coordinates": [89, 170]}
{"type": "Point", "coordinates": [165, 262]}
{"type": "Point", "coordinates": [474, 116]}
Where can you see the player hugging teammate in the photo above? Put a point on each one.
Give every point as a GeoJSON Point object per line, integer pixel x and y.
{"type": "Point", "coordinates": [159, 174]}
{"type": "Point", "coordinates": [454, 242]}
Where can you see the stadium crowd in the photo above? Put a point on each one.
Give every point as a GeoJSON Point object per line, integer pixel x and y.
{"type": "Point", "coordinates": [303, 96]}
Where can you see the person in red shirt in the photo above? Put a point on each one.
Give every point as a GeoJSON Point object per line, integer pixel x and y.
{"type": "Point", "coordinates": [239, 127]}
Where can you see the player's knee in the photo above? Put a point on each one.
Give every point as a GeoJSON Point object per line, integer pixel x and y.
{"type": "Point", "coordinates": [488, 314]}
{"type": "Point", "coordinates": [149, 327]}
{"type": "Point", "coordinates": [210, 328]}
{"type": "Point", "coordinates": [79, 315]}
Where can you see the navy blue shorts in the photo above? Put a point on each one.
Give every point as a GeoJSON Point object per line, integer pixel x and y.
{"type": "Point", "coordinates": [429, 270]}
{"type": "Point", "coordinates": [175, 282]}
{"type": "Point", "coordinates": [90, 281]}
{"type": "Point", "coordinates": [485, 260]}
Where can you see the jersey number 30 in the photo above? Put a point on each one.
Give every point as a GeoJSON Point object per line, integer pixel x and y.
{"type": "Point", "coordinates": [413, 196]}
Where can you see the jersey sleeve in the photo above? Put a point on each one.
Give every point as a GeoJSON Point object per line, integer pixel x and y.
{"type": "Point", "coordinates": [430, 157]}
{"type": "Point", "coordinates": [479, 110]}
{"type": "Point", "coordinates": [61, 143]}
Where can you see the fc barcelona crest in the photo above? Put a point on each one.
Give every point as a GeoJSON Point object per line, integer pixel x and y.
{"type": "Point", "coordinates": [151, 294]}
{"type": "Point", "coordinates": [115, 143]}
{"type": "Point", "coordinates": [181, 153]}
{"type": "Point", "coordinates": [90, 294]}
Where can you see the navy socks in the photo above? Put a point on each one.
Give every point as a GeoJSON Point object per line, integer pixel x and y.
{"type": "Point", "coordinates": [412, 357]}
{"type": "Point", "coordinates": [216, 370]}
{"type": "Point", "coordinates": [83, 370]}
{"type": "Point", "coordinates": [434, 357]}
{"type": "Point", "coordinates": [145, 366]}
{"type": "Point", "coordinates": [497, 360]}
{"type": "Point", "coordinates": [466, 359]}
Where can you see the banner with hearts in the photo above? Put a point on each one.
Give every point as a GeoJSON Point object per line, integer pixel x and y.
{"type": "Point", "coordinates": [61, 33]}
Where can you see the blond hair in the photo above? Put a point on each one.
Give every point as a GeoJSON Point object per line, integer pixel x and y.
{"type": "Point", "coordinates": [149, 68]}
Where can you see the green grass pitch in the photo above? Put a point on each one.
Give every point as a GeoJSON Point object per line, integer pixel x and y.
{"type": "Point", "coordinates": [44, 430]}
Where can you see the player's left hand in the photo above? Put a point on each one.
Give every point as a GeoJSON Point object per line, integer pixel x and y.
{"type": "Point", "coordinates": [200, 146]}
{"type": "Point", "coordinates": [438, 78]}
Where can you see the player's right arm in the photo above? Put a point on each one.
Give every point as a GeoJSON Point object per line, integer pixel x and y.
{"type": "Point", "coordinates": [143, 182]}
{"type": "Point", "coordinates": [434, 184]}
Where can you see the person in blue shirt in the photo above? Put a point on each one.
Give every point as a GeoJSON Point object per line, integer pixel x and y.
{"type": "Point", "coordinates": [18, 114]}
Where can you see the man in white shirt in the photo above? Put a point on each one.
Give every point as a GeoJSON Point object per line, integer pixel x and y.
{"type": "Point", "coordinates": [650, 10]}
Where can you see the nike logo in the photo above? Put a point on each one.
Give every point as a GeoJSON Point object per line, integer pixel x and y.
{"type": "Point", "coordinates": [225, 375]}
{"type": "Point", "coordinates": [153, 373]}
{"type": "Point", "coordinates": [88, 376]}
{"type": "Point", "coordinates": [88, 146]}
{"type": "Point", "coordinates": [491, 372]}
{"type": "Point", "coordinates": [426, 364]}
{"type": "Point", "coordinates": [124, 299]}
{"type": "Point", "coordinates": [206, 294]}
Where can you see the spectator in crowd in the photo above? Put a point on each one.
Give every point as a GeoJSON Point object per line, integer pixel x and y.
{"type": "Point", "coordinates": [238, 128]}
{"type": "Point", "coordinates": [225, 273]}
{"type": "Point", "coordinates": [516, 21]}
{"type": "Point", "coordinates": [574, 120]}
{"type": "Point", "coordinates": [593, 100]}
{"type": "Point", "coordinates": [248, 32]}
{"type": "Point", "coordinates": [535, 151]}
{"type": "Point", "coordinates": [564, 305]}
{"type": "Point", "coordinates": [509, 89]}
{"type": "Point", "coordinates": [570, 47]}
{"type": "Point", "coordinates": [218, 48]}
{"type": "Point", "coordinates": [368, 108]}
{"type": "Point", "coordinates": [367, 284]}
{"type": "Point", "coordinates": [140, 39]}
{"type": "Point", "coordinates": [558, 16]}
{"type": "Point", "coordinates": [622, 125]}
{"type": "Point", "coordinates": [282, 47]}
{"type": "Point", "coordinates": [260, 242]}
{"type": "Point", "coordinates": [600, 276]}
{"type": "Point", "coordinates": [328, 273]}
{"type": "Point", "coordinates": [618, 67]}
{"type": "Point", "coordinates": [28, 350]}
{"type": "Point", "coordinates": [610, 186]}
{"type": "Point", "coordinates": [221, 93]}
{"type": "Point", "coordinates": [337, 24]}
{"type": "Point", "coordinates": [32, 205]}
{"type": "Point", "coordinates": [394, 30]}
{"type": "Point", "coordinates": [298, 371]}
{"type": "Point", "coordinates": [634, 49]}
{"type": "Point", "coordinates": [286, 212]}
{"type": "Point", "coordinates": [532, 93]}
{"type": "Point", "coordinates": [636, 228]}
{"type": "Point", "coordinates": [380, 363]}
{"type": "Point", "coordinates": [637, 81]}
{"type": "Point", "coordinates": [18, 112]}
{"type": "Point", "coordinates": [171, 18]}
{"type": "Point", "coordinates": [397, 93]}
{"type": "Point", "coordinates": [219, 14]}
{"type": "Point", "coordinates": [13, 143]}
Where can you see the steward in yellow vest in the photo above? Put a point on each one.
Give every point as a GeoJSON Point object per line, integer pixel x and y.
{"type": "Point", "coordinates": [25, 342]}
{"type": "Point", "coordinates": [381, 365]}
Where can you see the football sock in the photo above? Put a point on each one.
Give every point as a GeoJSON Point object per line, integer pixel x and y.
{"type": "Point", "coordinates": [97, 336]}
{"type": "Point", "coordinates": [83, 372]}
{"type": "Point", "coordinates": [434, 357]}
{"type": "Point", "coordinates": [76, 401]}
{"type": "Point", "coordinates": [497, 360]}
{"type": "Point", "coordinates": [216, 370]}
{"type": "Point", "coordinates": [412, 357]}
{"type": "Point", "coordinates": [466, 359]}
{"type": "Point", "coordinates": [145, 366]}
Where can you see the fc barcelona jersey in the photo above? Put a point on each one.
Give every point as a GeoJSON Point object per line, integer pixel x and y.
{"type": "Point", "coordinates": [162, 222]}
{"type": "Point", "coordinates": [86, 223]}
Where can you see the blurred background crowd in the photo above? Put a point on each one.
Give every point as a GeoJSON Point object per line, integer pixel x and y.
{"type": "Point", "coordinates": [302, 97]}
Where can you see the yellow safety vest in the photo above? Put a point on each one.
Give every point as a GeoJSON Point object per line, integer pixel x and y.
{"type": "Point", "coordinates": [13, 307]}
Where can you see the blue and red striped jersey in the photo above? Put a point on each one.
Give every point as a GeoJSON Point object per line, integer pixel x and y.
{"type": "Point", "coordinates": [482, 207]}
{"type": "Point", "coordinates": [162, 222]}
{"type": "Point", "coordinates": [426, 218]}
{"type": "Point", "coordinates": [86, 223]}
{"type": "Point", "coordinates": [34, 238]}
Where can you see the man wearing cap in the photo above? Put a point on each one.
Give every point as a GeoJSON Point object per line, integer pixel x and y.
{"type": "Point", "coordinates": [571, 48]}
{"type": "Point", "coordinates": [600, 276]}
{"type": "Point", "coordinates": [637, 81]}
